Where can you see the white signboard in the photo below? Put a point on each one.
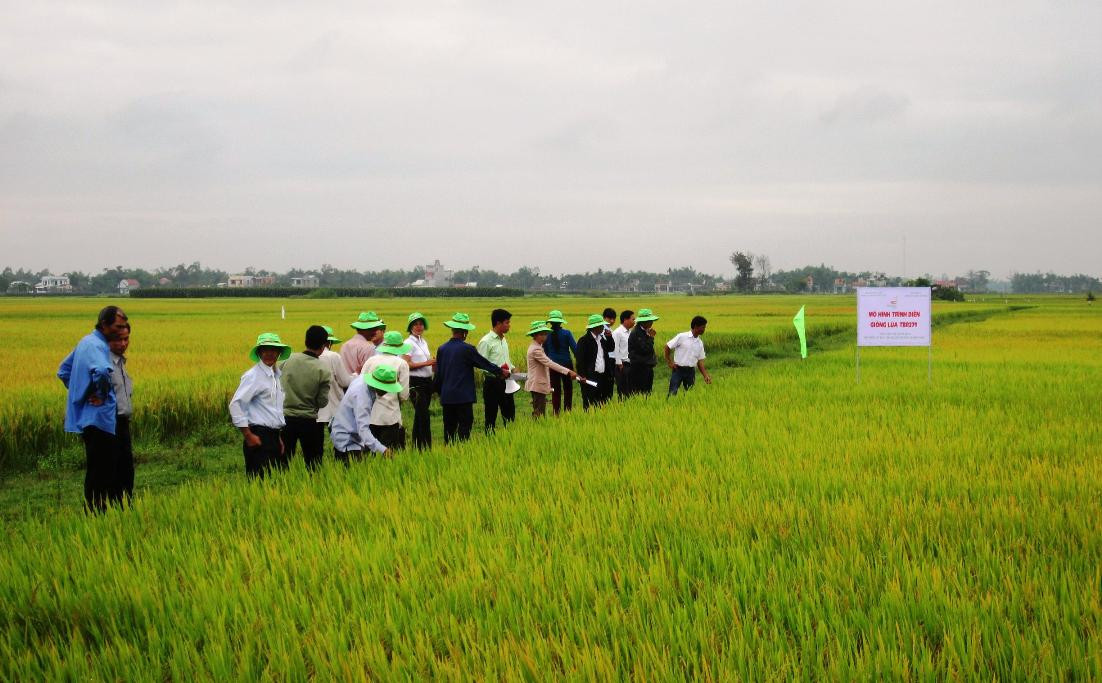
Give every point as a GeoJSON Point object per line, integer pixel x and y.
{"type": "Point", "coordinates": [893, 316]}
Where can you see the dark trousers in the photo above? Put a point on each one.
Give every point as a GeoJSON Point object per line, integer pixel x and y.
{"type": "Point", "coordinates": [392, 436]}
{"type": "Point", "coordinates": [458, 418]}
{"type": "Point", "coordinates": [623, 385]}
{"type": "Point", "coordinates": [495, 398]}
{"type": "Point", "coordinates": [420, 395]}
{"type": "Point", "coordinates": [346, 457]}
{"type": "Point", "coordinates": [539, 404]}
{"type": "Point", "coordinates": [262, 458]}
{"type": "Point", "coordinates": [642, 378]}
{"type": "Point", "coordinates": [310, 433]}
{"type": "Point", "coordinates": [562, 390]}
{"type": "Point", "coordinates": [682, 375]}
{"type": "Point", "coordinates": [595, 396]}
{"type": "Point", "coordinates": [101, 454]}
{"type": "Point", "coordinates": [124, 465]}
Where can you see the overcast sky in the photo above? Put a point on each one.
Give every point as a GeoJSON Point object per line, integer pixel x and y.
{"type": "Point", "coordinates": [563, 135]}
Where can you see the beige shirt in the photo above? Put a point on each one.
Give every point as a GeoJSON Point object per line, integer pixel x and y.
{"type": "Point", "coordinates": [341, 379]}
{"type": "Point", "coordinates": [539, 370]}
{"type": "Point", "coordinates": [387, 409]}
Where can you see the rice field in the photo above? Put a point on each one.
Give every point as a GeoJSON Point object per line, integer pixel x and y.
{"type": "Point", "coordinates": [782, 523]}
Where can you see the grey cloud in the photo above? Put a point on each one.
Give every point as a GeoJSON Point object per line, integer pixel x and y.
{"type": "Point", "coordinates": [867, 104]}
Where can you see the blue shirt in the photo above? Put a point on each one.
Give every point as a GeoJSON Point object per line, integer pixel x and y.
{"type": "Point", "coordinates": [350, 428]}
{"type": "Point", "coordinates": [455, 364]}
{"type": "Point", "coordinates": [86, 372]}
{"type": "Point", "coordinates": [561, 355]}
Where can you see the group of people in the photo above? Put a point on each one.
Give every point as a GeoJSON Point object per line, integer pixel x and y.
{"type": "Point", "coordinates": [286, 400]}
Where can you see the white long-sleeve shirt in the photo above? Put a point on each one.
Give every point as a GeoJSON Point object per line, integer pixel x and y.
{"type": "Point", "coordinates": [258, 399]}
{"type": "Point", "coordinates": [350, 428]}
{"type": "Point", "coordinates": [388, 407]}
{"type": "Point", "coordinates": [620, 336]}
{"type": "Point", "coordinates": [341, 379]}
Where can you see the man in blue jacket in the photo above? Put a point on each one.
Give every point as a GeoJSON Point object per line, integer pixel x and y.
{"type": "Point", "coordinates": [91, 409]}
{"type": "Point", "coordinates": [454, 379]}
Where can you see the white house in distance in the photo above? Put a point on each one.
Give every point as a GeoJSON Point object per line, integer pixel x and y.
{"type": "Point", "coordinates": [436, 275]}
{"type": "Point", "coordinates": [53, 284]}
{"type": "Point", "coordinates": [307, 281]}
{"type": "Point", "coordinates": [128, 284]}
{"type": "Point", "coordinates": [240, 281]}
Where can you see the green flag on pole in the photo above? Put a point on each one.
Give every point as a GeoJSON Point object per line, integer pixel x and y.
{"type": "Point", "coordinates": [798, 321]}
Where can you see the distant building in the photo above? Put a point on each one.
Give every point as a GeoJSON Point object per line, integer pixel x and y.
{"type": "Point", "coordinates": [307, 281]}
{"type": "Point", "coordinates": [436, 275]}
{"type": "Point", "coordinates": [20, 287]}
{"type": "Point", "coordinates": [660, 287]}
{"type": "Point", "coordinates": [264, 280]}
{"type": "Point", "coordinates": [53, 284]}
{"type": "Point", "coordinates": [128, 284]}
{"type": "Point", "coordinates": [722, 287]}
{"type": "Point", "coordinates": [240, 281]}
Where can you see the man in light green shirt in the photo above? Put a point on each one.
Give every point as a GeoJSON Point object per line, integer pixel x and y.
{"type": "Point", "coordinates": [495, 348]}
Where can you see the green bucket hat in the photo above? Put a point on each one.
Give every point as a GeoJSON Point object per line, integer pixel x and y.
{"type": "Point", "coordinates": [368, 321]}
{"type": "Point", "coordinates": [329, 331]}
{"type": "Point", "coordinates": [414, 317]}
{"type": "Point", "coordinates": [460, 321]}
{"type": "Point", "coordinates": [384, 379]}
{"type": "Point", "coordinates": [595, 320]}
{"type": "Point", "coordinates": [537, 327]}
{"type": "Point", "coordinates": [645, 315]}
{"type": "Point", "coordinates": [555, 317]}
{"type": "Point", "coordinates": [394, 344]}
{"type": "Point", "coordinates": [269, 339]}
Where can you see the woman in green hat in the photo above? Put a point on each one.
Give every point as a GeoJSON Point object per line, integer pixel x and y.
{"type": "Point", "coordinates": [540, 368]}
{"type": "Point", "coordinates": [257, 406]}
{"type": "Point", "coordinates": [421, 364]}
{"type": "Point", "coordinates": [558, 346]}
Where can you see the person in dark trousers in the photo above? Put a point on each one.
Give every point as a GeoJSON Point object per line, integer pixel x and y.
{"type": "Point", "coordinates": [123, 491]}
{"type": "Point", "coordinates": [595, 362]}
{"type": "Point", "coordinates": [623, 365]}
{"type": "Point", "coordinates": [495, 348]}
{"type": "Point", "coordinates": [421, 364]}
{"type": "Point", "coordinates": [257, 407]}
{"type": "Point", "coordinates": [558, 347]}
{"type": "Point", "coordinates": [685, 355]}
{"type": "Point", "coordinates": [456, 361]}
{"type": "Point", "coordinates": [305, 379]}
{"type": "Point", "coordinates": [641, 352]}
{"type": "Point", "coordinates": [91, 408]}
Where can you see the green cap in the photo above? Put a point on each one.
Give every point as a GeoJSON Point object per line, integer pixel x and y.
{"type": "Point", "coordinates": [645, 315]}
{"type": "Point", "coordinates": [384, 379]}
{"type": "Point", "coordinates": [368, 321]}
{"type": "Point", "coordinates": [595, 320]}
{"type": "Point", "coordinates": [269, 339]}
{"type": "Point", "coordinates": [329, 331]}
{"type": "Point", "coordinates": [537, 327]}
{"type": "Point", "coordinates": [414, 317]}
{"type": "Point", "coordinates": [460, 321]}
{"type": "Point", "coordinates": [394, 344]}
{"type": "Point", "coordinates": [555, 317]}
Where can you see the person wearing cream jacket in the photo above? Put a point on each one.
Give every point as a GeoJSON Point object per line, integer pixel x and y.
{"type": "Point", "coordinates": [540, 367]}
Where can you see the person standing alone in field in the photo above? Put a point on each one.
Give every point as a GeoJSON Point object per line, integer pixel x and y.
{"type": "Point", "coordinates": [305, 380]}
{"type": "Point", "coordinates": [540, 367]}
{"type": "Point", "coordinates": [620, 355]}
{"type": "Point", "coordinates": [495, 348]}
{"type": "Point", "coordinates": [421, 364]}
{"type": "Point", "coordinates": [456, 361]}
{"type": "Point", "coordinates": [688, 355]}
{"type": "Point", "coordinates": [595, 362]}
{"type": "Point", "coordinates": [342, 378]}
{"type": "Point", "coordinates": [558, 346]}
{"type": "Point", "coordinates": [124, 407]}
{"type": "Point", "coordinates": [91, 407]}
{"type": "Point", "coordinates": [641, 353]}
{"type": "Point", "coordinates": [257, 407]}
{"type": "Point", "coordinates": [360, 347]}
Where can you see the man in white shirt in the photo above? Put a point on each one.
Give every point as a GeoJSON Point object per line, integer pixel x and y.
{"type": "Point", "coordinates": [341, 377]}
{"type": "Point", "coordinates": [257, 407]}
{"type": "Point", "coordinates": [620, 353]}
{"type": "Point", "coordinates": [687, 351]}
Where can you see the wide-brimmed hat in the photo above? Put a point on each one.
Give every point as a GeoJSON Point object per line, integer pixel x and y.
{"type": "Point", "coordinates": [368, 321]}
{"type": "Point", "coordinates": [384, 379]}
{"type": "Point", "coordinates": [595, 320]}
{"type": "Point", "coordinates": [460, 321]}
{"type": "Point", "coordinates": [538, 326]}
{"type": "Point", "coordinates": [332, 337]}
{"type": "Point", "coordinates": [645, 315]}
{"type": "Point", "coordinates": [394, 344]}
{"type": "Point", "coordinates": [555, 317]}
{"type": "Point", "coordinates": [414, 317]}
{"type": "Point", "coordinates": [269, 339]}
